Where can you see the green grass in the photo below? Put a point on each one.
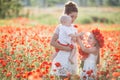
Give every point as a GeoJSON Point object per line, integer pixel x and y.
{"type": "Point", "coordinates": [109, 14]}
{"type": "Point", "coordinates": [110, 29]}
{"type": "Point", "coordinates": [45, 19]}
{"type": "Point", "coordinates": [50, 16]}
{"type": "Point", "coordinates": [85, 16]}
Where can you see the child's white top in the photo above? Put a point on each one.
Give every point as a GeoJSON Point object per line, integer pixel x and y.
{"type": "Point", "coordinates": [91, 58]}
{"type": "Point", "coordinates": [64, 31]}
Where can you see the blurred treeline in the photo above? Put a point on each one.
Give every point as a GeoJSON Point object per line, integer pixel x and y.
{"type": "Point", "coordinates": [9, 8]}
{"type": "Point", "coordinates": [12, 8]}
{"type": "Point", "coordinates": [48, 3]}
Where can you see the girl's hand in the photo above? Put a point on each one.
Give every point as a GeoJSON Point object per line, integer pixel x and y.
{"type": "Point", "coordinates": [80, 35]}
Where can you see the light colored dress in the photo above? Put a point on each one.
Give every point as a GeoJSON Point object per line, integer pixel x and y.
{"type": "Point", "coordinates": [64, 32]}
{"type": "Point", "coordinates": [89, 68]}
{"type": "Point", "coordinates": [62, 56]}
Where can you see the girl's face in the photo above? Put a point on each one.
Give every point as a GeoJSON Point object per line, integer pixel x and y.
{"type": "Point", "coordinates": [73, 15]}
{"type": "Point", "coordinates": [91, 39]}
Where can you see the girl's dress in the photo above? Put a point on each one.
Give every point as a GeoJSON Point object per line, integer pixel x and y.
{"type": "Point", "coordinates": [65, 67]}
{"type": "Point", "coordinates": [89, 68]}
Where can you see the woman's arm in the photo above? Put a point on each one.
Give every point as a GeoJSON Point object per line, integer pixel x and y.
{"type": "Point", "coordinates": [55, 44]}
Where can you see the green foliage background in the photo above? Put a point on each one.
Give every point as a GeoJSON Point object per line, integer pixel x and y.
{"type": "Point", "coordinates": [12, 8]}
{"type": "Point", "coordinates": [9, 8]}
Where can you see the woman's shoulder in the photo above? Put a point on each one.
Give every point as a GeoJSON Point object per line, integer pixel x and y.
{"type": "Point", "coordinates": [58, 26]}
{"type": "Point", "coordinates": [57, 29]}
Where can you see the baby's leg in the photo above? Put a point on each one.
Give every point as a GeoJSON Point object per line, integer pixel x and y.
{"type": "Point", "coordinates": [72, 54]}
{"type": "Point", "coordinates": [71, 58]}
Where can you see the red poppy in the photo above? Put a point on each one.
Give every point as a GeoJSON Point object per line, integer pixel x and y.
{"type": "Point", "coordinates": [116, 74]}
{"type": "Point", "coordinates": [57, 64]}
{"type": "Point", "coordinates": [8, 74]}
{"type": "Point", "coordinates": [76, 26]}
{"type": "Point", "coordinates": [83, 55]}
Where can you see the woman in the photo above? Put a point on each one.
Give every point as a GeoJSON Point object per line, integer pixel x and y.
{"type": "Point", "coordinates": [64, 68]}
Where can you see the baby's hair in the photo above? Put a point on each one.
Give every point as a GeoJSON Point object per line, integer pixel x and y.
{"type": "Point", "coordinates": [64, 18]}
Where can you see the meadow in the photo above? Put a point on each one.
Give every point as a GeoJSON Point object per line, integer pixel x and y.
{"type": "Point", "coordinates": [86, 15]}
{"type": "Point", "coordinates": [25, 49]}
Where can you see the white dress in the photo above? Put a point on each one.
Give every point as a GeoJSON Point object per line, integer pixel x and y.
{"type": "Point", "coordinates": [62, 56]}
{"type": "Point", "coordinates": [64, 32]}
{"type": "Point", "coordinates": [89, 64]}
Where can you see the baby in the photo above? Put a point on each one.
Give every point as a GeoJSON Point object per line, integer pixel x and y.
{"type": "Point", "coordinates": [67, 36]}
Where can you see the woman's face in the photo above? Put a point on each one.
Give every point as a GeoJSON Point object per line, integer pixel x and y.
{"type": "Point", "coordinates": [73, 15]}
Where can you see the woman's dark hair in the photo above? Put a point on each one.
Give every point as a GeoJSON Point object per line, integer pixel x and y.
{"type": "Point", "coordinates": [70, 7]}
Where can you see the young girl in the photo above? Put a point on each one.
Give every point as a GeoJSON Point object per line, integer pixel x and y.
{"type": "Point", "coordinates": [93, 43]}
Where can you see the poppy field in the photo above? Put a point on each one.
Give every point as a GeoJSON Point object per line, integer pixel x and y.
{"type": "Point", "coordinates": [25, 51]}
